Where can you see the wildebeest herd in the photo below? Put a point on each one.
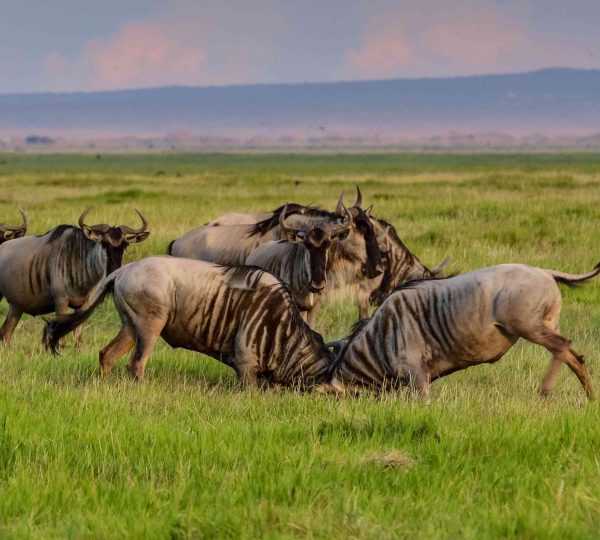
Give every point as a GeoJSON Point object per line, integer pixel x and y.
{"type": "Point", "coordinates": [245, 289]}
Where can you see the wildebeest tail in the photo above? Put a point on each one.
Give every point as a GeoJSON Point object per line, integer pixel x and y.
{"type": "Point", "coordinates": [170, 247]}
{"type": "Point", "coordinates": [574, 279]}
{"type": "Point", "coordinates": [59, 327]}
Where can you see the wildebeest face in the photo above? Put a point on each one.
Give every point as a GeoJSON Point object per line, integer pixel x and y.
{"type": "Point", "coordinates": [364, 244]}
{"type": "Point", "coordinates": [114, 239]}
{"type": "Point", "coordinates": [317, 240]}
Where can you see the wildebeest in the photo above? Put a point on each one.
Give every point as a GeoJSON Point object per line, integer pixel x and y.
{"type": "Point", "coordinates": [57, 270]}
{"type": "Point", "coordinates": [231, 244]}
{"type": "Point", "coordinates": [353, 259]}
{"type": "Point", "coordinates": [241, 316]}
{"type": "Point", "coordinates": [400, 266]}
{"type": "Point", "coordinates": [431, 328]}
{"type": "Point", "coordinates": [300, 261]}
{"type": "Point", "coordinates": [10, 232]}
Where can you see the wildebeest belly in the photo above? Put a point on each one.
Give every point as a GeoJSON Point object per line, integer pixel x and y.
{"type": "Point", "coordinates": [484, 346]}
{"type": "Point", "coordinates": [197, 338]}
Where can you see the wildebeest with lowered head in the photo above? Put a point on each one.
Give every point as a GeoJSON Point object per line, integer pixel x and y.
{"type": "Point", "coordinates": [300, 261]}
{"type": "Point", "coordinates": [400, 266]}
{"type": "Point", "coordinates": [57, 270]}
{"type": "Point", "coordinates": [431, 328]}
{"type": "Point", "coordinates": [10, 232]}
{"type": "Point", "coordinates": [241, 316]}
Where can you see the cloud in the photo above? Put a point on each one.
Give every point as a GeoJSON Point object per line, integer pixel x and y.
{"type": "Point", "coordinates": [162, 52]}
{"type": "Point", "coordinates": [143, 54]}
{"type": "Point", "coordinates": [464, 38]}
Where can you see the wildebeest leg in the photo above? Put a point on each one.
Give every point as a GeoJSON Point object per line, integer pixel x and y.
{"type": "Point", "coordinates": [77, 337]}
{"type": "Point", "coordinates": [420, 382]}
{"type": "Point", "coordinates": [363, 305]}
{"type": "Point", "coordinates": [312, 313]}
{"type": "Point", "coordinates": [146, 335]}
{"type": "Point", "coordinates": [551, 376]}
{"type": "Point", "coordinates": [120, 345]}
{"type": "Point", "coordinates": [10, 323]}
{"type": "Point", "coordinates": [560, 347]}
{"type": "Point", "coordinates": [61, 308]}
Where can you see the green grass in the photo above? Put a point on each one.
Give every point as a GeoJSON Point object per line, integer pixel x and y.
{"type": "Point", "coordinates": [188, 454]}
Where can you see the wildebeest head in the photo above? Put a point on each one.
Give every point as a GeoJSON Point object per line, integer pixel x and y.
{"type": "Point", "coordinates": [113, 239]}
{"type": "Point", "coordinates": [9, 232]}
{"type": "Point", "coordinates": [317, 239]}
{"type": "Point", "coordinates": [401, 265]}
{"type": "Point", "coordinates": [362, 222]}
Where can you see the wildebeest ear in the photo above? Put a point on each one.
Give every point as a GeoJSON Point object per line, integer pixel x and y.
{"type": "Point", "coordinates": [136, 238]}
{"type": "Point", "coordinates": [91, 234]}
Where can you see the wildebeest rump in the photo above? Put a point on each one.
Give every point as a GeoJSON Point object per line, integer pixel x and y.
{"type": "Point", "coordinates": [243, 317]}
{"type": "Point", "coordinates": [57, 270]}
{"type": "Point", "coordinates": [428, 329]}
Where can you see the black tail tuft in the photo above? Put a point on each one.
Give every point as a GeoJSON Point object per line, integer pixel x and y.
{"type": "Point", "coordinates": [170, 247]}
{"type": "Point", "coordinates": [60, 326]}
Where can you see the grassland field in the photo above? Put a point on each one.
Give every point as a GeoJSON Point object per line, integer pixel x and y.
{"type": "Point", "coordinates": [189, 454]}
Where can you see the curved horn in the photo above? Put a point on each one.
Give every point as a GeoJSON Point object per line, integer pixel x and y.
{"type": "Point", "coordinates": [287, 230]}
{"type": "Point", "coordinates": [24, 216]}
{"type": "Point", "coordinates": [440, 267]}
{"type": "Point", "coordinates": [82, 218]}
{"type": "Point", "coordinates": [339, 209]}
{"type": "Point", "coordinates": [143, 228]}
{"type": "Point", "coordinates": [343, 227]}
{"type": "Point", "coordinates": [358, 202]}
{"type": "Point", "coordinates": [22, 227]}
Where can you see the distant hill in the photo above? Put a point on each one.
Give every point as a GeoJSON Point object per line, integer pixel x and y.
{"type": "Point", "coordinates": [549, 102]}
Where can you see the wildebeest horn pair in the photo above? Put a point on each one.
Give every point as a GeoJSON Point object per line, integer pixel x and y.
{"type": "Point", "coordinates": [8, 232]}
{"type": "Point", "coordinates": [357, 203]}
{"type": "Point", "coordinates": [132, 235]}
{"type": "Point", "coordinates": [335, 230]}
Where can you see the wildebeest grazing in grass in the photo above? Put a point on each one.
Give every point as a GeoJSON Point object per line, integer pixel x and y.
{"type": "Point", "coordinates": [57, 270]}
{"type": "Point", "coordinates": [300, 261]}
{"type": "Point", "coordinates": [241, 316]}
{"type": "Point", "coordinates": [428, 329]}
{"type": "Point", "coordinates": [10, 232]}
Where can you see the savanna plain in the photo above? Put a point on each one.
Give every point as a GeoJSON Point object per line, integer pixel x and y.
{"type": "Point", "coordinates": [187, 453]}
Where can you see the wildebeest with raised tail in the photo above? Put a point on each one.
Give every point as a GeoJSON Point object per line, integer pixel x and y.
{"type": "Point", "coordinates": [428, 329]}
{"type": "Point", "coordinates": [57, 270]}
{"type": "Point", "coordinates": [300, 261]}
{"type": "Point", "coordinates": [10, 232]}
{"type": "Point", "coordinates": [242, 316]}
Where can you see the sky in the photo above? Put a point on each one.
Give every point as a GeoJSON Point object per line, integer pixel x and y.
{"type": "Point", "coordinates": [82, 45]}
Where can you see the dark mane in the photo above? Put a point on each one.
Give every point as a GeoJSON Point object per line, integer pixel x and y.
{"type": "Point", "coordinates": [414, 282]}
{"type": "Point", "coordinates": [242, 277]}
{"type": "Point", "coordinates": [393, 233]}
{"type": "Point", "coordinates": [292, 208]}
{"type": "Point", "coordinates": [57, 232]}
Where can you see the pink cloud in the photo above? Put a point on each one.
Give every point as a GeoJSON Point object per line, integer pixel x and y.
{"type": "Point", "coordinates": [381, 55]}
{"type": "Point", "coordinates": [457, 39]}
{"type": "Point", "coordinates": [143, 54]}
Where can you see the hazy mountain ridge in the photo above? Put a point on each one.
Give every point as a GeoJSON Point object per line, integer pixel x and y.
{"type": "Point", "coordinates": [546, 106]}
